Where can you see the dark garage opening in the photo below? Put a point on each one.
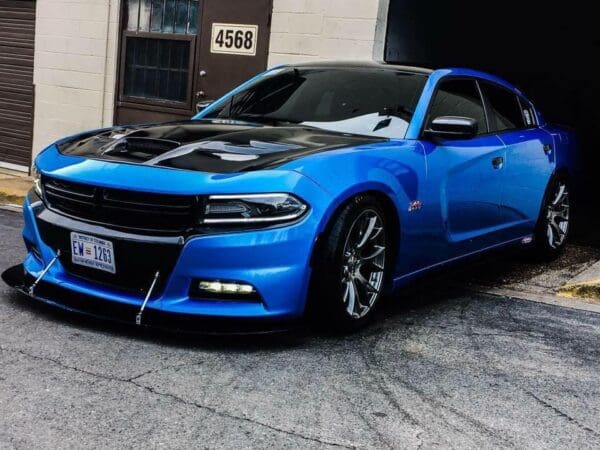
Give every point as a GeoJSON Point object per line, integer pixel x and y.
{"type": "Point", "coordinates": [549, 50]}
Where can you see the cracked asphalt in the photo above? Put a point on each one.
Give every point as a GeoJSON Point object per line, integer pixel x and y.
{"type": "Point", "coordinates": [440, 368]}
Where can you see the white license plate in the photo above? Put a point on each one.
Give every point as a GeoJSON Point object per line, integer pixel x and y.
{"type": "Point", "coordinates": [93, 252]}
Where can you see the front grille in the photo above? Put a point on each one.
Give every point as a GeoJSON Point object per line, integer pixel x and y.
{"type": "Point", "coordinates": [136, 262]}
{"type": "Point", "coordinates": [118, 208]}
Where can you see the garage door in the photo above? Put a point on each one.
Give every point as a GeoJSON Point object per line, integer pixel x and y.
{"type": "Point", "coordinates": [17, 31]}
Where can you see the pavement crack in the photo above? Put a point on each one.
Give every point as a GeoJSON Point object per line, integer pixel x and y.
{"type": "Point", "coordinates": [241, 418]}
{"type": "Point", "coordinates": [562, 414]}
{"type": "Point", "coordinates": [163, 368]}
{"type": "Point", "coordinates": [61, 364]}
{"type": "Point", "coordinates": [133, 381]}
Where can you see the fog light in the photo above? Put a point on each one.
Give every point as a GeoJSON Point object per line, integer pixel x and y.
{"type": "Point", "coordinates": [224, 289]}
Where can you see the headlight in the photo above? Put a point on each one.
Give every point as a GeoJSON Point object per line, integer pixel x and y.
{"type": "Point", "coordinates": [37, 181]}
{"type": "Point", "coordinates": [253, 208]}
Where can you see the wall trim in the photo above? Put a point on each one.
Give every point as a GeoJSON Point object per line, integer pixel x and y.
{"type": "Point", "coordinates": [381, 30]}
{"type": "Point", "coordinates": [15, 167]}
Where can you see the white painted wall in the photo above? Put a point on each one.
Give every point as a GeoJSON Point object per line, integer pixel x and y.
{"type": "Point", "coordinates": [74, 67]}
{"type": "Point", "coordinates": [311, 30]}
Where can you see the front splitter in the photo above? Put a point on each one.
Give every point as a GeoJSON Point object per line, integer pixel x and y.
{"type": "Point", "coordinates": [100, 308]}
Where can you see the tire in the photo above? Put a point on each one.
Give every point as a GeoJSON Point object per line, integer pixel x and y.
{"type": "Point", "coordinates": [351, 267]}
{"type": "Point", "coordinates": [554, 223]}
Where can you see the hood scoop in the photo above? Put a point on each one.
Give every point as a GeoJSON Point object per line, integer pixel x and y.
{"type": "Point", "coordinates": [140, 149]}
{"type": "Point", "coordinates": [204, 146]}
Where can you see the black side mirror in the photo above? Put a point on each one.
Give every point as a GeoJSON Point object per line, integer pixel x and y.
{"type": "Point", "coordinates": [452, 127]}
{"type": "Point", "coordinates": [203, 105]}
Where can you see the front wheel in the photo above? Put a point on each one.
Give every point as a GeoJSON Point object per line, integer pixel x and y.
{"type": "Point", "coordinates": [554, 223]}
{"type": "Point", "coordinates": [349, 276]}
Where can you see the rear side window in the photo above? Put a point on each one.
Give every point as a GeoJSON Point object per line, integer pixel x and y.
{"type": "Point", "coordinates": [459, 97]}
{"type": "Point", "coordinates": [528, 113]}
{"type": "Point", "coordinates": [505, 109]}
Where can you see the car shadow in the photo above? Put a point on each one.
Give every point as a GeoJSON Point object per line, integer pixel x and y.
{"type": "Point", "coordinates": [419, 296]}
{"type": "Point", "coordinates": [429, 292]}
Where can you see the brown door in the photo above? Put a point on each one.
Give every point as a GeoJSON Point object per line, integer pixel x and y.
{"type": "Point", "coordinates": [174, 53]}
{"type": "Point", "coordinates": [234, 45]}
{"type": "Point", "coordinates": [17, 32]}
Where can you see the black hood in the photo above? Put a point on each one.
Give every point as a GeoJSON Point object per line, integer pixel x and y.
{"type": "Point", "coordinates": [208, 146]}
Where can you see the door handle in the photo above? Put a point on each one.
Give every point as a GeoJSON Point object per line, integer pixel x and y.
{"type": "Point", "coordinates": [498, 162]}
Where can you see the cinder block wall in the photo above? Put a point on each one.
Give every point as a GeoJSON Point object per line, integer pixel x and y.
{"type": "Point", "coordinates": [309, 30]}
{"type": "Point", "coordinates": [74, 67]}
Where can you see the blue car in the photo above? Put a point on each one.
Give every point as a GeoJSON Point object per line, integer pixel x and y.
{"type": "Point", "coordinates": [313, 188]}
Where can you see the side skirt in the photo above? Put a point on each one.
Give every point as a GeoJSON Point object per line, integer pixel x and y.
{"type": "Point", "coordinates": [405, 279]}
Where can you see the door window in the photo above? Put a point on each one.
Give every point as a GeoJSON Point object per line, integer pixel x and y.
{"type": "Point", "coordinates": [459, 97]}
{"type": "Point", "coordinates": [158, 51]}
{"type": "Point", "coordinates": [505, 110]}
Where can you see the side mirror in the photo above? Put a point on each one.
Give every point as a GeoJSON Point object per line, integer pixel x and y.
{"type": "Point", "coordinates": [451, 127]}
{"type": "Point", "coordinates": [203, 105]}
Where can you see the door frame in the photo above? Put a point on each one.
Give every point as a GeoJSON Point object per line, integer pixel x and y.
{"type": "Point", "coordinates": [195, 80]}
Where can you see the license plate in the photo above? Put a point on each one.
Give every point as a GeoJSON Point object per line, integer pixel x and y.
{"type": "Point", "coordinates": [93, 252]}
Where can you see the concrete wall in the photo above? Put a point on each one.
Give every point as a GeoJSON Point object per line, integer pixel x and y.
{"type": "Point", "coordinates": [309, 30]}
{"type": "Point", "coordinates": [74, 67]}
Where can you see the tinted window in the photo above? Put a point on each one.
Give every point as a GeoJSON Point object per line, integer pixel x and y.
{"type": "Point", "coordinates": [528, 113]}
{"type": "Point", "coordinates": [378, 102]}
{"type": "Point", "coordinates": [459, 98]}
{"type": "Point", "coordinates": [505, 109]}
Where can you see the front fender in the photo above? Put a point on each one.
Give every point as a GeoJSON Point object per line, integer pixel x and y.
{"type": "Point", "coordinates": [396, 169]}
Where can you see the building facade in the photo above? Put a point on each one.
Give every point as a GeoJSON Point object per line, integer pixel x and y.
{"type": "Point", "coordinates": [88, 64]}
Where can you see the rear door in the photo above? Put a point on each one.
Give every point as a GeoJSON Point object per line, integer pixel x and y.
{"type": "Point", "coordinates": [529, 157]}
{"type": "Point", "coordinates": [465, 177]}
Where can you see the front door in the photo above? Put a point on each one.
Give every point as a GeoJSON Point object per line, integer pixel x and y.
{"type": "Point", "coordinates": [175, 53]}
{"type": "Point", "coordinates": [465, 177]}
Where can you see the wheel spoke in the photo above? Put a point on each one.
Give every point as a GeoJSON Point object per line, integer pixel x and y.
{"type": "Point", "coordinates": [351, 297]}
{"type": "Point", "coordinates": [367, 233]}
{"type": "Point", "coordinates": [559, 195]}
{"type": "Point", "coordinates": [346, 291]}
{"type": "Point", "coordinates": [550, 235]}
{"type": "Point", "coordinates": [379, 249]}
{"type": "Point", "coordinates": [559, 232]}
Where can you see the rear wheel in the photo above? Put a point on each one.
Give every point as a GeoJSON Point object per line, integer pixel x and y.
{"type": "Point", "coordinates": [554, 223]}
{"type": "Point", "coordinates": [349, 277]}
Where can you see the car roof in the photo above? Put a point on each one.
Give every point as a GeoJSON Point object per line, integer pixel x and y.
{"type": "Point", "coordinates": [441, 72]}
{"type": "Point", "coordinates": [363, 65]}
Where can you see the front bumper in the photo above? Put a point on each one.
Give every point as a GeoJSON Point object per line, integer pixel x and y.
{"type": "Point", "coordinates": [98, 307]}
{"type": "Point", "coordinates": [275, 261]}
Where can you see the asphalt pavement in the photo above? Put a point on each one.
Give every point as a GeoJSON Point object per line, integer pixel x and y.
{"type": "Point", "coordinates": [440, 368]}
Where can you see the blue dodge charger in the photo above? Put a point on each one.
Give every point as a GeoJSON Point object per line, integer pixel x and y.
{"type": "Point", "coordinates": [314, 188]}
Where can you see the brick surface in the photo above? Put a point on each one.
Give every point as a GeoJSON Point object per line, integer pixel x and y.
{"type": "Point", "coordinates": [309, 30]}
{"type": "Point", "coordinates": [74, 67]}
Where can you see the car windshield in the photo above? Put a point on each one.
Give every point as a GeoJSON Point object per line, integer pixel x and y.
{"type": "Point", "coordinates": [374, 102]}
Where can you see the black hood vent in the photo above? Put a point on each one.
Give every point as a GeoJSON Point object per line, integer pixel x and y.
{"type": "Point", "coordinates": [140, 148]}
{"type": "Point", "coordinates": [209, 146]}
